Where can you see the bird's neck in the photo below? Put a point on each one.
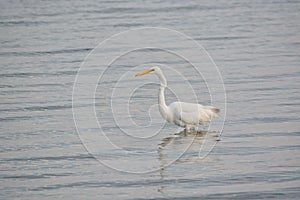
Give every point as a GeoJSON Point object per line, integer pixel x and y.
{"type": "Point", "coordinates": [162, 80]}
{"type": "Point", "coordinates": [161, 97]}
{"type": "Point", "coordinates": [163, 109]}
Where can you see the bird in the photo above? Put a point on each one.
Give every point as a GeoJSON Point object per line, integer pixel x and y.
{"type": "Point", "coordinates": [186, 115]}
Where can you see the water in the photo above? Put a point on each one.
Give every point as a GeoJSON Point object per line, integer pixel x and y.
{"type": "Point", "coordinates": [256, 46]}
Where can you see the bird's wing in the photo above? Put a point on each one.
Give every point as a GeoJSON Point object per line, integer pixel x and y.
{"type": "Point", "coordinates": [192, 114]}
{"type": "Point", "coordinates": [191, 118]}
{"type": "Point", "coordinates": [185, 112]}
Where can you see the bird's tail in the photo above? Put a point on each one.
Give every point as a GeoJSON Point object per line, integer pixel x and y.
{"type": "Point", "coordinates": [214, 110]}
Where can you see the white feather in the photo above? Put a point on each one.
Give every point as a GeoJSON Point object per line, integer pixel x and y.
{"type": "Point", "coordinates": [187, 115]}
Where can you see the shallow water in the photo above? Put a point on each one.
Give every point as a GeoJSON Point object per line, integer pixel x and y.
{"type": "Point", "coordinates": [255, 45]}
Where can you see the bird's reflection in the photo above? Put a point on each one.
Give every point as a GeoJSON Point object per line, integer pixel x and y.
{"type": "Point", "coordinates": [181, 139]}
{"type": "Point", "coordinates": [177, 137]}
{"type": "Point", "coordinates": [192, 140]}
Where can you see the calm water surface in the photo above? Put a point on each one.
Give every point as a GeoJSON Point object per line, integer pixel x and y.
{"type": "Point", "coordinates": [256, 46]}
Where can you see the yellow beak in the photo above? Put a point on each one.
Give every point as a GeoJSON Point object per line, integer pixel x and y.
{"type": "Point", "coordinates": [145, 72]}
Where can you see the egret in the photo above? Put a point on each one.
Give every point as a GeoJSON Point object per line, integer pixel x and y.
{"type": "Point", "coordinates": [186, 115]}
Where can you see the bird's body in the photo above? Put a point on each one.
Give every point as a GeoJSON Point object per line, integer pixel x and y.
{"type": "Point", "coordinates": [187, 115]}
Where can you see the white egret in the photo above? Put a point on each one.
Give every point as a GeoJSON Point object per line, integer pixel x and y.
{"type": "Point", "coordinates": [187, 115]}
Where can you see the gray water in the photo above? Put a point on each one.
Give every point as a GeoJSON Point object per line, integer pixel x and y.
{"type": "Point", "coordinates": [255, 45]}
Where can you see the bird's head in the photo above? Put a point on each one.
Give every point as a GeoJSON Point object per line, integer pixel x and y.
{"type": "Point", "coordinates": [158, 72]}
{"type": "Point", "coordinates": [152, 69]}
